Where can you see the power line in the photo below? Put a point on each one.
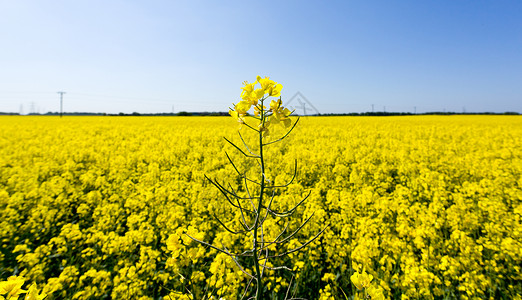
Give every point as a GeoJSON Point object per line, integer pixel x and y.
{"type": "Point", "coordinates": [140, 99]}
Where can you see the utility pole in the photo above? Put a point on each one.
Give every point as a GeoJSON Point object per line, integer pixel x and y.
{"type": "Point", "coordinates": [415, 110]}
{"type": "Point", "coordinates": [61, 103]}
{"type": "Point", "coordinates": [372, 108]}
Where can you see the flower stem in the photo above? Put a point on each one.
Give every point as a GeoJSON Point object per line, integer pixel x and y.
{"type": "Point", "coordinates": [259, 286]}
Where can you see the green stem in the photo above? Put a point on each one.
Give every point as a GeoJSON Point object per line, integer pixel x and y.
{"type": "Point", "coordinates": [259, 286]}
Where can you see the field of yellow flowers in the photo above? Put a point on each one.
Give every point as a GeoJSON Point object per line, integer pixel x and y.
{"type": "Point", "coordinates": [96, 207]}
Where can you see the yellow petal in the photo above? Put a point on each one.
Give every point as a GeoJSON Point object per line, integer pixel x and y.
{"type": "Point", "coordinates": [12, 287]}
{"type": "Point", "coordinates": [242, 107]}
{"type": "Point", "coordinates": [266, 83]}
{"type": "Point", "coordinates": [375, 293]}
{"type": "Point", "coordinates": [32, 293]}
{"type": "Point", "coordinates": [275, 104]}
{"type": "Point", "coordinates": [356, 280]}
{"type": "Point", "coordinates": [259, 93]}
{"type": "Point", "coordinates": [275, 91]}
{"type": "Point", "coordinates": [274, 120]}
{"type": "Point", "coordinates": [247, 90]}
{"type": "Point", "coordinates": [233, 113]}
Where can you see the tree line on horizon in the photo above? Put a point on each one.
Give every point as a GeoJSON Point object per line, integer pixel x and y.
{"type": "Point", "coordinates": [185, 113]}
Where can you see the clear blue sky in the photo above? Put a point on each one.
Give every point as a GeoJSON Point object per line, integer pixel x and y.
{"type": "Point", "coordinates": [343, 56]}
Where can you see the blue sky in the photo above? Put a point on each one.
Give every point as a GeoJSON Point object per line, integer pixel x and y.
{"type": "Point", "coordinates": [343, 56]}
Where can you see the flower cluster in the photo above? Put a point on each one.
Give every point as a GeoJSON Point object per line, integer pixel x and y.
{"type": "Point", "coordinates": [252, 96]}
{"type": "Point", "coordinates": [362, 282]}
{"type": "Point", "coordinates": [12, 289]}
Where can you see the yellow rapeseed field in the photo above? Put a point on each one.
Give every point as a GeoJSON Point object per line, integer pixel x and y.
{"type": "Point", "coordinates": [96, 207]}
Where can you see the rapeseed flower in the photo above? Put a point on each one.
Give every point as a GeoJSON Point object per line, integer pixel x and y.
{"type": "Point", "coordinates": [33, 294]}
{"type": "Point", "coordinates": [251, 95]}
{"type": "Point", "coordinates": [375, 293]}
{"type": "Point", "coordinates": [12, 287]}
{"type": "Point", "coordinates": [361, 280]}
{"type": "Point", "coordinates": [279, 113]}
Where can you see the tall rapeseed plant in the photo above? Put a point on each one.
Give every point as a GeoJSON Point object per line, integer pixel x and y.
{"type": "Point", "coordinates": [253, 217]}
